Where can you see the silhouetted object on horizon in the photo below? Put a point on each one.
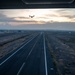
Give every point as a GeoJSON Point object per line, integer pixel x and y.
{"type": "Point", "coordinates": [31, 16]}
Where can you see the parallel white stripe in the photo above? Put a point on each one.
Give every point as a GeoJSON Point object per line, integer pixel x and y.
{"type": "Point", "coordinates": [27, 57]}
{"type": "Point", "coordinates": [33, 47]}
{"type": "Point", "coordinates": [21, 69]}
{"type": "Point", "coordinates": [15, 52]}
{"type": "Point", "coordinates": [45, 56]}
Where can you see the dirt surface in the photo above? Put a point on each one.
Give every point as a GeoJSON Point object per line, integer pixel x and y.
{"type": "Point", "coordinates": [9, 47]}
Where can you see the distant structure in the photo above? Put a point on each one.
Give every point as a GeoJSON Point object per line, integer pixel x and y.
{"type": "Point", "coordinates": [31, 16]}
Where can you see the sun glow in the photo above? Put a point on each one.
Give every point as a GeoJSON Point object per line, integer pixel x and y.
{"type": "Point", "coordinates": [41, 15]}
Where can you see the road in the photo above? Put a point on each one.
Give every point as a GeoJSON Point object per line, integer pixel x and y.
{"type": "Point", "coordinates": [32, 58]}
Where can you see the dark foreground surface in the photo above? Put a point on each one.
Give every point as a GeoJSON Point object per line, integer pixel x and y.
{"type": "Point", "coordinates": [43, 53]}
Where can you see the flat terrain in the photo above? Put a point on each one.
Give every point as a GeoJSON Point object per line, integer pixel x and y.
{"type": "Point", "coordinates": [37, 53]}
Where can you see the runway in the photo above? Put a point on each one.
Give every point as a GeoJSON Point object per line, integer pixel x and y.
{"type": "Point", "coordinates": [32, 58]}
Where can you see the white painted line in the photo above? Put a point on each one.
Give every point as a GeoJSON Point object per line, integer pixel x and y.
{"type": "Point", "coordinates": [21, 69]}
{"type": "Point", "coordinates": [51, 68]}
{"type": "Point", "coordinates": [45, 56]}
{"type": "Point", "coordinates": [16, 51]}
{"type": "Point", "coordinates": [32, 48]}
{"type": "Point", "coordinates": [27, 57]}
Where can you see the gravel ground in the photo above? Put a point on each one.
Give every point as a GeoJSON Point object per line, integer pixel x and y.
{"type": "Point", "coordinates": [9, 47]}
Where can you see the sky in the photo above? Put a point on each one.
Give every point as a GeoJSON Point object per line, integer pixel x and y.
{"type": "Point", "coordinates": [51, 19]}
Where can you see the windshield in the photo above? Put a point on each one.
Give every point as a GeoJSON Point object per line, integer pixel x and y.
{"type": "Point", "coordinates": [37, 41]}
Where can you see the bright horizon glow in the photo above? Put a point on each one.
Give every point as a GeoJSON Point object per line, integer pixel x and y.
{"type": "Point", "coordinates": [43, 19]}
{"type": "Point", "coordinates": [41, 15]}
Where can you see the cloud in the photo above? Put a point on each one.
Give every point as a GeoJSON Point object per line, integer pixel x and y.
{"type": "Point", "coordinates": [72, 16]}
{"type": "Point", "coordinates": [18, 20]}
{"type": "Point", "coordinates": [68, 13]}
{"type": "Point", "coordinates": [4, 18]}
{"type": "Point", "coordinates": [21, 18]}
{"type": "Point", "coordinates": [47, 26]}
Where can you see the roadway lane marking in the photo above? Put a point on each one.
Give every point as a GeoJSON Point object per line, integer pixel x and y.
{"type": "Point", "coordinates": [21, 69]}
{"type": "Point", "coordinates": [27, 57]}
{"type": "Point", "coordinates": [16, 52]}
{"type": "Point", "coordinates": [51, 68]}
{"type": "Point", "coordinates": [32, 49]}
{"type": "Point", "coordinates": [45, 56]}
